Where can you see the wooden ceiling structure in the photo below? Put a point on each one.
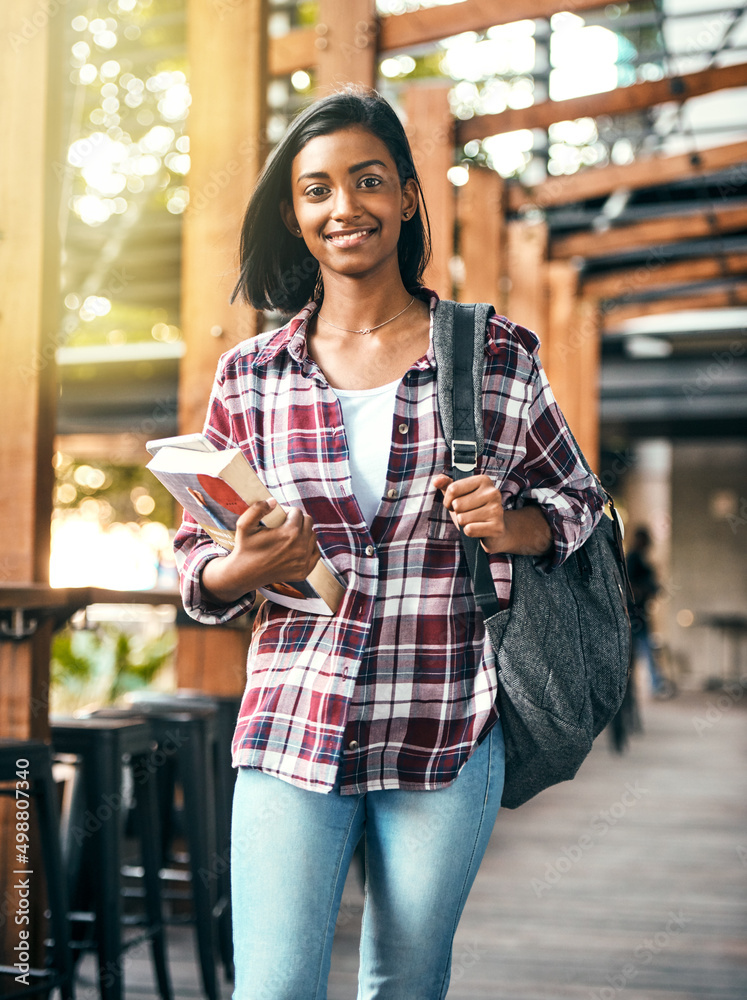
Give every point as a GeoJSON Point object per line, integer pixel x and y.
{"type": "Point", "coordinates": [569, 286]}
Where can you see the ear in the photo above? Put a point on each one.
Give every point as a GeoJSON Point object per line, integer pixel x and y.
{"type": "Point", "coordinates": [289, 218]}
{"type": "Point", "coordinates": [410, 198]}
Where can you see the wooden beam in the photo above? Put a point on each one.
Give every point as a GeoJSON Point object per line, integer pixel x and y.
{"type": "Point", "coordinates": [597, 182]}
{"type": "Point", "coordinates": [655, 273]}
{"type": "Point", "coordinates": [296, 50]}
{"type": "Point", "coordinates": [430, 130]}
{"type": "Point", "coordinates": [619, 101]}
{"type": "Point", "coordinates": [668, 229]}
{"type": "Point", "coordinates": [228, 85]}
{"type": "Point", "coordinates": [482, 236]}
{"type": "Point", "coordinates": [346, 46]}
{"type": "Point", "coordinates": [300, 48]}
{"type": "Point", "coordinates": [526, 259]}
{"type": "Point", "coordinates": [418, 27]}
{"type": "Point", "coordinates": [615, 313]}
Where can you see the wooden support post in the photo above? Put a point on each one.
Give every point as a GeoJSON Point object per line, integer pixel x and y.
{"type": "Point", "coordinates": [526, 257]}
{"type": "Point", "coordinates": [346, 44]}
{"type": "Point", "coordinates": [227, 53]}
{"type": "Point", "coordinates": [31, 75]}
{"type": "Point", "coordinates": [228, 75]}
{"type": "Point", "coordinates": [430, 129]}
{"type": "Point", "coordinates": [30, 115]}
{"type": "Point", "coordinates": [570, 355]}
{"type": "Point", "coordinates": [482, 236]}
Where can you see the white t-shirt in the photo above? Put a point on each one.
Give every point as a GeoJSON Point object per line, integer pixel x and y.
{"type": "Point", "coordinates": [367, 416]}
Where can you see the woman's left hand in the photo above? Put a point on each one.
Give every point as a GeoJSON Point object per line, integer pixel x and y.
{"type": "Point", "coordinates": [475, 504]}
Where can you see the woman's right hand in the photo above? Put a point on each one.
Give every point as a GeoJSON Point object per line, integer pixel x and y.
{"type": "Point", "coordinates": [262, 555]}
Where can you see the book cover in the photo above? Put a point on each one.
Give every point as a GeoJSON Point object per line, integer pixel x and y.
{"type": "Point", "coordinates": [216, 487]}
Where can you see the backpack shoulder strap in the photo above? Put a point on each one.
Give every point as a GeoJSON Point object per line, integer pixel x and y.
{"type": "Point", "coordinates": [461, 412]}
{"type": "Point", "coordinates": [459, 344]}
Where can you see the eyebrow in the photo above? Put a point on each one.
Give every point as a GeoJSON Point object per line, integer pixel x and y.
{"type": "Point", "coordinates": [351, 170]}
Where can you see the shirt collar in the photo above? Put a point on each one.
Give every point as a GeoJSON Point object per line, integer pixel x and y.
{"type": "Point", "coordinates": [292, 336]}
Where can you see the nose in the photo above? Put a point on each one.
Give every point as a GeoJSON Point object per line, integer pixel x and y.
{"type": "Point", "coordinates": [346, 204]}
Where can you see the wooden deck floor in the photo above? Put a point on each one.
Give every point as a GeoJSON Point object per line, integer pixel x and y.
{"type": "Point", "coordinates": [630, 883]}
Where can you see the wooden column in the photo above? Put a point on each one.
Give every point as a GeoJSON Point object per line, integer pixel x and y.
{"type": "Point", "coordinates": [227, 53]}
{"type": "Point", "coordinates": [482, 236]}
{"type": "Point", "coordinates": [430, 129]}
{"type": "Point", "coordinates": [227, 50]}
{"type": "Point", "coordinates": [526, 257]}
{"type": "Point", "coordinates": [31, 77]}
{"type": "Point", "coordinates": [346, 44]}
{"type": "Point", "coordinates": [570, 354]}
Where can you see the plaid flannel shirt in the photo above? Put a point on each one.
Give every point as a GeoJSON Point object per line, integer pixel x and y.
{"type": "Point", "coordinates": [397, 688]}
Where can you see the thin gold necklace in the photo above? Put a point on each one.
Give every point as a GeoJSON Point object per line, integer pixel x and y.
{"type": "Point", "coordinates": [368, 329]}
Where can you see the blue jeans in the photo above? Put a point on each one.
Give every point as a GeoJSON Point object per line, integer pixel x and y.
{"type": "Point", "coordinates": [291, 850]}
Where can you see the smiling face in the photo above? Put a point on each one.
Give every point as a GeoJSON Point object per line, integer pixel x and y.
{"type": "Point", "coordinates": [349, 203]}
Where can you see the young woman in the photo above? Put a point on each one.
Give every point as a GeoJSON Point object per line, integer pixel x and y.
{"type": "Point", "coordinates": [380, 721]}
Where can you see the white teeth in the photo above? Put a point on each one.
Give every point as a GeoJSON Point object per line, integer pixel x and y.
{"type": "Point", "coordinates": [346, 237]}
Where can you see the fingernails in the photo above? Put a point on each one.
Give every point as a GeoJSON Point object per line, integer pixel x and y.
{"type": "Point", "coordinates": [271, 503]}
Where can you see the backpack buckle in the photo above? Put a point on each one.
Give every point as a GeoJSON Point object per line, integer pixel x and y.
{"type": "Point", "coordinates": [464, 455]}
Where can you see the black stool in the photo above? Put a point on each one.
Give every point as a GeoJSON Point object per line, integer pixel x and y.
{"type": "Point", "coordinates": [224, 776]}
{"type": "Point", "coordinates": [105, 747]}
{"type": "Point", "coordinates": [34, 758]}
{"type": "Point", "coordinates": [187, 740]}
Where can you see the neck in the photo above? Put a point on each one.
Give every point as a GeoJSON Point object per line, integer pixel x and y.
{"type": "Point", "coordinates": [355, 304]}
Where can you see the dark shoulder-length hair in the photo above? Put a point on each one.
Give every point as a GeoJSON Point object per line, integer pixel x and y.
{"type": "Point", "coordinates": [276, 269]}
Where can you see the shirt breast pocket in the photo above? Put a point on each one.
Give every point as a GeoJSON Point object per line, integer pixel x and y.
{"type": "Point", "coordinates": [440, 525]}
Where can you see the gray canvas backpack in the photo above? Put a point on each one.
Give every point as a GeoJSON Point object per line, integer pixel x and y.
{"type": "Point", "coordinates": [563, 647]}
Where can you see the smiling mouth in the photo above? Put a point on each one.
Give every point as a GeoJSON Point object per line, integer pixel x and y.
{"type": "Point", "coordinates": [349, 239]}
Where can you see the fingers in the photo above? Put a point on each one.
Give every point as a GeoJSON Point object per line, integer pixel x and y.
{"type": "Point", "coordinates": [463, 495]}
{"type": "Point", "coordinates": [249, 520]}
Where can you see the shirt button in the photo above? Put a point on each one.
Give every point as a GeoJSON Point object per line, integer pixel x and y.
{"type": "Point", "coordinates": [370, 550]}
{"type": "Point", "coordinates": [403, 428]}
{"type": "Point", "coordinates": [392, 494]}
{"type": "Point", "coordinates": [353, 745]}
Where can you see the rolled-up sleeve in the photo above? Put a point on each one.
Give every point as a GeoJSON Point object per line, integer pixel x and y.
{"type": "Point", "coordinates": [555, 477]}
{"type": "Point", "coordinates": [193, 547]}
